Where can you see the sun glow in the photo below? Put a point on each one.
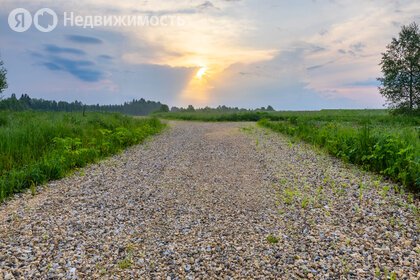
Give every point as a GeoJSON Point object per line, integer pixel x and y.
{"type": "Point", "coordinates": [201, 72]}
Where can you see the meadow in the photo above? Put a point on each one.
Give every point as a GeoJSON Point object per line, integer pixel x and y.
{"type": "Point", "coordinates": [374, 139]}
{"type": "Point", "coordinates": [36, 147]}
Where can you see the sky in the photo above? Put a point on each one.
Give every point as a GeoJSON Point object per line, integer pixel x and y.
{"type": "Point", "coordinates": [292, 55]}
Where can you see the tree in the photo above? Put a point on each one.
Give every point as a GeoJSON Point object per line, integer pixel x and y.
{"type": "Point", "coordinates": [175, 109]}
{"type": "Point", "coordinates": [190, 108]}
{"type": "Point", "coordinates": [400, 64]}
{"type": "Point", "coordinates": [270, 108]}
{"type": "Point", "coordinates": [164, 108]}
{"type": "Point", "coordinates": [3, 82]}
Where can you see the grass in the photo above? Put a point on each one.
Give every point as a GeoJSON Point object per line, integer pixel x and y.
{"type": "Point", "coordinates": [392, 149]}
{"type": "Point", "coordinates": [272, 239]}
{"type": "Point", "coordinates": [382, 116]}
{"type": "Point", "coordinates": [36, 147]}
{"type": "Point", "coordinates": [127, 262]}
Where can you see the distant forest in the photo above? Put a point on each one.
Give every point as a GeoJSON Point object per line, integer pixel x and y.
{"type": "Point", "coordinates": [139, 107]}
{"type": "Point", "coordinates": [219, 109]}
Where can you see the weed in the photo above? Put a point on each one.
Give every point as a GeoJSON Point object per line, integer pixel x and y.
{"type": "Point", "coordinates": [384, 191]}
{"type": "Point", "coordinates": [304, 201]}
{"type": "Point", "coordinates": [127, 262]}
{"type": "Point", "coordinates": [272, 239]}
{"type": "Point", "coordinates": [410, 197]}
{"type": "Point", "coordinates": [33, 188]}
{"type": "Point", "coordinates": [392, 275]}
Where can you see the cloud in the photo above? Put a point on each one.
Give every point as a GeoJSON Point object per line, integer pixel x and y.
{"type": "Point", "coordinates": [78, 68]}
{"type": "Point", "coordinates": [52, 66]}
{"type": "Point", "coordinates": [207, 5]}
{"type": "Point", "coordinates": [358, 47]}
{"type": "Point", "coordinates": [319, 66]}
{"type": "Point", "coordinates": [53, 49]}
{"type": "Point", "coordinates": [105, 56]}
{"type": "Point", "coordinates": [352, 33]}
{"type": "Point", "coordinates": [314, 67]}
{"type": "Point", "coordinates": [366, 83]}
{"type": "Point", "coordinates": [84, 39]}
{"type": "Point", "coordinates": [278, 82]}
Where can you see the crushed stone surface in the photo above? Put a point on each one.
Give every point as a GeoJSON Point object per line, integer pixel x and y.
{"type": "Point", "coordinates": [213, 201]}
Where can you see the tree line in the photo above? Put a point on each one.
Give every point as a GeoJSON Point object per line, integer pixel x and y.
{"type": "Point", "coordinates": [139, 107]}
{"type": "Point", "coordinates": [219, 109]}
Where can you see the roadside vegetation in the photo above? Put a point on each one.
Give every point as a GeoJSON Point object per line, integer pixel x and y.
{"type": "Point", "coordinates": [36, 147]}
{"type": "Point", "coordinates": [390, 148]}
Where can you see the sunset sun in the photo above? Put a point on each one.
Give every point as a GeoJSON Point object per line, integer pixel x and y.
{"type": "Point", "coordinates": [201, 72]}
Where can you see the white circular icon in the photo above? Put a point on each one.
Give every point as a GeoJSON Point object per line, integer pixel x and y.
{"type": "Point", "coordinates": [45, 20]}
{"type": "Point", "coordinates": [20, 20]}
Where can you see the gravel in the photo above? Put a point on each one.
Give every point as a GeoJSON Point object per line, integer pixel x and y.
{"type": "Point", "coordinates": [200, 201]}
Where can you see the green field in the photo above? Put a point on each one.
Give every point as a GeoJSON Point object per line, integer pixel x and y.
{"type": "Point", "coordinates": [36, 147]}
{"type": "Point", "coordinates": [375, 139]}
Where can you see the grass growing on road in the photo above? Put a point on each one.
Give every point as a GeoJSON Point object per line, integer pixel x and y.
{"type": "Point", "coordinates": [36, 147]}
{"type": "Point", "coordinates": [375, 139]}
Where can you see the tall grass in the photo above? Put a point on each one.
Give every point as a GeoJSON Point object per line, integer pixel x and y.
{"type": "Point", "coordinates": [391, 150]}
{"type": "Point", "coordinates": [39, 146]}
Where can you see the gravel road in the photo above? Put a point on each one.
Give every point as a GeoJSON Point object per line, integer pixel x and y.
{"type": "Point", "coordinates": [213, 201]}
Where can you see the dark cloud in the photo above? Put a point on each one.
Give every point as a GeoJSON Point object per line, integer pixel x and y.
{"type": "Point", "coordinates": [372, 82]}
{"type": "Point", "coordinates": [80, 69]}
{"type": "Point", "coordinates": [105, 56]}
{"type": "Point", "coordinates": [207, 5]}
{"type": "Point", "coordinates": [323, 32]}
{"type": "Point", "coordinates": [314, 67]}
{"type": "Point", "coordinates": [84, 39]}
{"type": "Point", "coordinates": [342, 51]}
{"type": "Point", "coordinates": [308, 47]}
{"type": "Point", "coordinates": [357, 47]}
{"type": "Point", "coordinates": [319, 66]}
{"type": "Point", "coordinates": [52, 66]}
{"type": "Point", "coordinates": [316, 49]}
{"type": "Point", "coordinates": [53, 49]}
{"type": "Point", "coordinates": [36, 54]}
{"type": "Point", "coordinates": [165, 12]}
